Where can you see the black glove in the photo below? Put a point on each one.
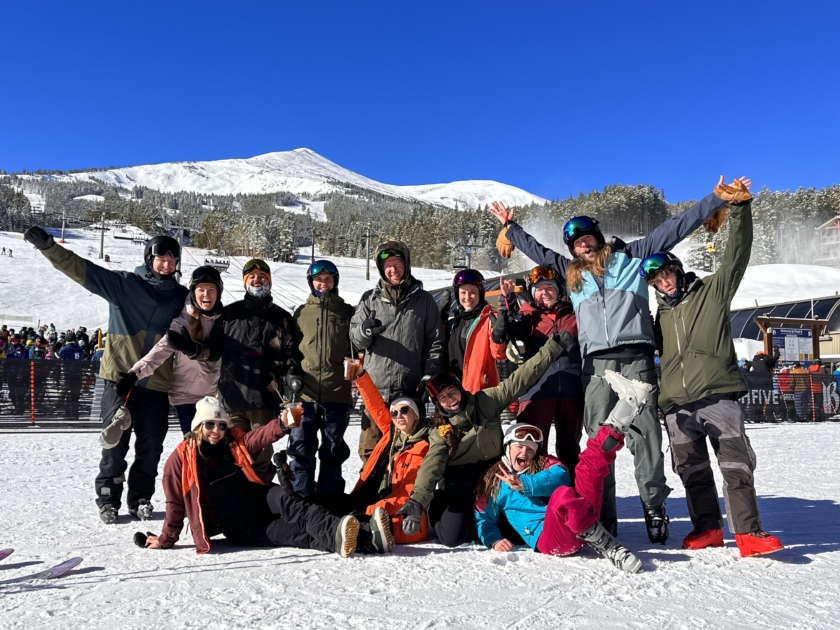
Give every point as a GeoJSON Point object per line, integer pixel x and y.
{"type": "Point", "coordinates": [499, 332]}
{"type": "Point", "coordinates": [126, 382]}
{"type": "Point", "coordinates": [38, 237]}
{"type": "Point", "coordinates": [421, 388]}
{"type": "Point", "coordinates": [182, 342]}
{"type": "Point", "coordinates": [372, 326]}
{"type": "Point", "coordinates": [411, 512]}
{"type": "Point", "coordinates": [564, 338]}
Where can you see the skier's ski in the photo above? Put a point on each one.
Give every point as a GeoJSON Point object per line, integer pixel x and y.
{"type": "Point", "coordinates": [5, 553]}
{"type": "Point", "coordinates": [53, 572]}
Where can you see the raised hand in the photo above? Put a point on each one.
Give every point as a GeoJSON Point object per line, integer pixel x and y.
{"type": "Point", "coordinates": [498, 210]}
{"type": "Point", "coordinates": [513, 481]}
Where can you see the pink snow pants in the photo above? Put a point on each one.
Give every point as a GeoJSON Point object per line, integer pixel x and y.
{"type": "Point", "coordinates": [572, 510]}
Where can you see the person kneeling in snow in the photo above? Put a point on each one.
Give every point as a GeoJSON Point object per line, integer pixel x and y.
{"type": "Point", "coordinates": [534, 495]}
{"type": "Point", "coordinates": [210, 479]}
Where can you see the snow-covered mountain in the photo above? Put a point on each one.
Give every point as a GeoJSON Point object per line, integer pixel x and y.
{"type": "Point", "coordinates": [303, 172]}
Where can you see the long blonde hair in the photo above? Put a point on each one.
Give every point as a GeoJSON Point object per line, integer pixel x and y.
{"type": "Point", "coordinates": [574, 272]}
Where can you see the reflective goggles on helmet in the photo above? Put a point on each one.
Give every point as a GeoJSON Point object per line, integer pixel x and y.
{"type": "Point", "coordinates": [655, 262]}
{"type": "Point", "coordinates": [256, 264]}
{"type": "Point", "coordinates": [542, 274]}
{"type": "Point", "coordinates": [578, 226]}
{"type": "Point", "coordinates": [322, 266]}
{"type": "Point", "coordinates": [468, 276]}
{"type": "Point", "coordinates": [524, 433]}
{"type": "Point", "coordinates": [390, 252]}
{"type": "Point", "coordinates": [167, 246]}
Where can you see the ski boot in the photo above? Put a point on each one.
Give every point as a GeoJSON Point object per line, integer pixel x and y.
{"type": "Point", "coordinates": [143, 511]}
{"type": "Point", "coordinates": [601, 541]}
{"type": "Point", "coordinates": [656, 521]}
{"type": "Point", "coordinates": [702, 539]}
{"type": "Point", "coordinates": [632, 396]}
{"type": "Point", "coordinates": [346, 535]}
{"type": "Point", "coordinates": [108, 514]}
{"type": "Point", "coordinates": [757, 543]}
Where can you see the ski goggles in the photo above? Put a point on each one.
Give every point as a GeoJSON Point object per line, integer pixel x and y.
{"type": "Point", "coordinates": [542, 274]}
{"type": "Point", "coordinates": [655, 262]}
{"type": "Point", "coordinates": [212, 425]}
{"type": "Point", "coordinates": [322, 266]}
{"type": "Point", "coordinates": [578, 226]}
{"type": "Point", "coordinates": [468, 276]}
{"type": "Point", "coordinates": [256, 264]}
{"type": "Point", "coordinates": [400, 411]}
{"type": "Point", "coordinates": [168, 247]}
{"type": "Point", "coordinates": [390, 252]}
{"type": "Point", "coordinates": [529, 433]}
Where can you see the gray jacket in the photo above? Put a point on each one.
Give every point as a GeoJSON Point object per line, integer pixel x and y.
{"type": "Point", "coordinates": [409, 347]}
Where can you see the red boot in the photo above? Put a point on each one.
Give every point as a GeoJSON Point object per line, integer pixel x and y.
{"type": "Point", "coordinates": [701, 540]}
{"type": "Point", "coordinates": [757, 543]}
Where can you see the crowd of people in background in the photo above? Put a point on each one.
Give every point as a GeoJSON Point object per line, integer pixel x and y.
{"type": "Point", "coordinates": [575, 351]}
{"type": "Point", "coordinates": [45, 342]}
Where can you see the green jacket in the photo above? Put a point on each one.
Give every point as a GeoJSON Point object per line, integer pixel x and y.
{"type": "Point", "coordinates": [323, 325]}
{"type": "Point", "coordinates": [479, 425]}
{"type": "Point", "coordinates": [697, 356]}
{"type": "Point", "coordinates": [141, 309]}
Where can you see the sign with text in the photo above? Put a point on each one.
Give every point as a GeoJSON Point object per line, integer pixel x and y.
{"type": "Point", "coordinates": [795, 344]}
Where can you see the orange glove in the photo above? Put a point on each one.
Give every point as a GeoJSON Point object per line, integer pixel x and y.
{"type": "Point", "coordinates": [504, 246]}
{"type": "Point", "coordinates": [736, 191]}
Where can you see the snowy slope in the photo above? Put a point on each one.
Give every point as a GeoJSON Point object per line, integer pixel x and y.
{"type": "Point", "coordinates": [300, 171]}
{"type": "Point", "coordinates": [48, 515]}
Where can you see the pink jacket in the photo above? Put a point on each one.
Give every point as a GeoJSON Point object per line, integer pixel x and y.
{"type": "Point", "coordinates": [192, 380]}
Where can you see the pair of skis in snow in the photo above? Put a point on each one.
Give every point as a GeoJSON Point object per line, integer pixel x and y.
{"type": "Point", "coordinates": [48, 574]}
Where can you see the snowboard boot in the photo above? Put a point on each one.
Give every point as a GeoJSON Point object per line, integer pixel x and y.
{"type": "Point", "coordinates": [757, 543]}
{"type": "Point", "coordinates": [284, 473]}
{"type": "Point", "coordinates": [656, 521]}
{"type": "Point", "coordinates": [143, 511]}
{"type": "Point", "coordinates": [108, 514]}
{"type": "Point", "coordinates": [380, 530]}
{"type": "Point", "coordinates": [601, 541]}
{"type": "Point", "coordinates": [346, 535]}
{"type": "Point", "coordinates": [702, 539]}
{"type": "Point", "coordinates": [632, 396]}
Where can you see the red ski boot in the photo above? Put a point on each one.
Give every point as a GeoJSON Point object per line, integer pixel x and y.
{"type": "Point", "coordinates": [701, 540]}
{"type": "Point", "coordinates": [757, 543]}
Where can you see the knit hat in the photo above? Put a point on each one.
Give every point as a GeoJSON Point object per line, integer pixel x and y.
{"type": "Point", "coordinates": [208, 408]}
{"type": "Point", "coordinates": [403, 400]}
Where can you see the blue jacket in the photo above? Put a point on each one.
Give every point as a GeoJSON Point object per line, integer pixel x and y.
{"type": "Point", "coordinates": [71, 352]}
{"type": "Point", "coordinates": [613, 311]}
{"type": "Point", "coordinates": [17, 352]}
{"type": "Point", "coordinates": [525, 510]}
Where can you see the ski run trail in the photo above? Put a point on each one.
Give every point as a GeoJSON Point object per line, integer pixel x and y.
{"type": "Point", "coordinates": [48, 515]}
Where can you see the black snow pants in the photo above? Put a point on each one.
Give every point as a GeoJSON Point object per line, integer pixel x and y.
{"type": "Point", "coordinates": [451, 512]}
{"type": "Point", "coordinates": [149, 421]}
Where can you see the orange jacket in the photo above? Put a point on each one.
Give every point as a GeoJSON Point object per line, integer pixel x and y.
{"type": "Point", "coordinates": [481, 355]}
{"type": "Point", "coordinates": [403, 465]}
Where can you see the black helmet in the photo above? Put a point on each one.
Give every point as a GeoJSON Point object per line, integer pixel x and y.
{"type": "Point", "coordinates": [440, 382]}
{"type": "Point", "coordinates": [203, 275]}
{"type": "Point", "coordinates": [160, 246]}
{"type": "Point", "coordinates": [581, 226]}
{"type": "Point", "coordinates": [319, 267]}
{"type": "Point", "coordinates": [70, 336]}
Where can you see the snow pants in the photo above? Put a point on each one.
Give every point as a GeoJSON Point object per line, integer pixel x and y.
{"type": "Point", "coordinates": [254, 419]}
{"type": "Point", "coordinates": [567, 416]}
{"type": "Point", "coordinates": [149, 422]}
{"type": "Point", "coordinates": [721, 420]}
{"type": "Point", "coordinates": [645, 438]}
{"type": "Point", "coordinates": [331, 420]}
{"type": "Point", "coordinates": [574, 509]}
{"type": "Point", "coordinates": [451, 512]}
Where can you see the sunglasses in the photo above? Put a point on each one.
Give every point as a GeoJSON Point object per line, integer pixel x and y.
{"type": "Point", "coordinates": [321, 266]}
{"type": "Point", "coordinates": [540, 274]}
{"type": "Point", "coordinates": [468, 276]}
{"type": "Point", "coordinates": [212, 425]}
{"type": "Point", "coordinates": [577, 225]}
{"type": "Point", "coordinates": [390, 252]}
{"type": "Point", "coordinates": [259, 265]}
{"type": "Point", "coordinates": [400, 411]}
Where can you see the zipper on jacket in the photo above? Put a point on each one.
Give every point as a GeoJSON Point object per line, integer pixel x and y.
{"type": "Point", "coordinates": [679, 351]}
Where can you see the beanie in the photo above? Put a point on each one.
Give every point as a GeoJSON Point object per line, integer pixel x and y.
{"type": "Point", "coordinates": [208, 408]}
{"type": "Point", "coordinates": [403, 400]}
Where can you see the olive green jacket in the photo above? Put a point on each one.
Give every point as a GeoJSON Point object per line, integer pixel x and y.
{"type": "Point", "coordinates": [323, 326]}
{"type": "Point", "coordinates": [479, 425]}
{"type": "Point", "coordinates": [697, 356]}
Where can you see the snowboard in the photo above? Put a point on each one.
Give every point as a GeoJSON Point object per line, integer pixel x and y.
{"type": "Point", "coordinates": [5, 553]}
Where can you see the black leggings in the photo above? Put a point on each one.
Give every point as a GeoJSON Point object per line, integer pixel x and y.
{"type": "Point", "coordinates": [451, 510]}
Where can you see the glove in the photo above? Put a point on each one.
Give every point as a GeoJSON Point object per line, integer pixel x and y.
{"type": "Point", "coordinates": [372, 326]}
{"type": "Point", "coordinates": [182, 342]}
{"type": "Point", "coordinates": [422, 386]}
{"type": "Point", "coordinates": [736, 191]}
{"type": "Point", "coordinates": [499, 331]}
{"type": "Point", "coordinates": [504, 245]}
{"type": "Point", "coordinates": [126, 382]}
{"type": "Point", "coordinates": [564, 338]}
{"type": "Point", "coordinates": [111, 435]}
{"type": "Point", "coordinates": [412, 513]}
{"type": "Point", "coordinates": [38, 237]}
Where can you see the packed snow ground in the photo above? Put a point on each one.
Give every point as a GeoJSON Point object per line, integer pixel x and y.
{"type": "Point", "coordinates": [48, 515]}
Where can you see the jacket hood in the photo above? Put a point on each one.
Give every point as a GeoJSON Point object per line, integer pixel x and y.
{"type": "Point", "coordinates": [690, 283]}
{"type": "Point", "coordinates": [193, 311]}
{"type": "Point", "coordinates": [397, 246]}
{"type": "Point", "coordinates": [162, 283]}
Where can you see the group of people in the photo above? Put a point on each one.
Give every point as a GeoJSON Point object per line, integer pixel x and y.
{"type": "Point", "coordinates": [574, 351]}
{"type": "Point", "coordinates": [45, 342]}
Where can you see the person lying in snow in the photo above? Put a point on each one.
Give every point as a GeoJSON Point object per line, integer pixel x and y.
{"type": "Point", "coordinates": [534, 497]}
{"type": "Point", "coordinates": [209, 478]}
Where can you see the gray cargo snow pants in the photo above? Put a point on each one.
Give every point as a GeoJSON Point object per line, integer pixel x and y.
{"type": "Point", "coordinates": [645, 437]}
{"type": "Point", "coordinates": [721, 420]}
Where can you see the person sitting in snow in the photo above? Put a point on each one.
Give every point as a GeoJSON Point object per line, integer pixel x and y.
{"type": "Point", "coordinates": [533, 495]}
{"type": "Point", "coordinates": [209, 479]}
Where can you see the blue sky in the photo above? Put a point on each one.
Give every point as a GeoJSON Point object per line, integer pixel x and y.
{"type": "Point", "coordinates": [554, 97]}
